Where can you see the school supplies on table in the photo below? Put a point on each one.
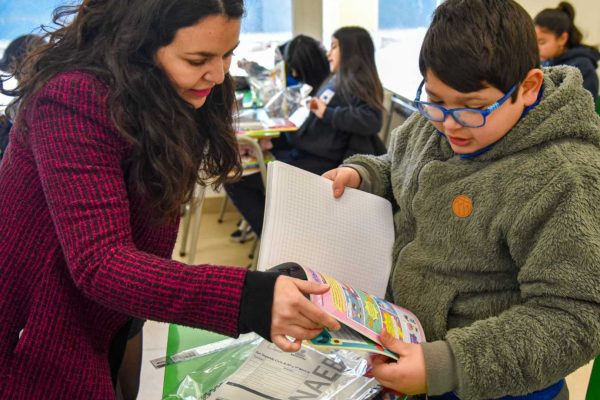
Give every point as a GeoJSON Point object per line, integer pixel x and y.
{"type": "Point", "coordinates": [270, 373]}
{"type": "Point", "coordinates": [363, 315]}
{"type": "Point", "coordinates": [254, 122]}
{"type": "Point", "coordinates": [350, 238]}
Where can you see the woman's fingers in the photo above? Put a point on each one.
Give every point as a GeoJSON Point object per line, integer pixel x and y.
{"type": "Point", "coordinates": [285, 344]}
{"type": "Point", "coordinates": [297, 319]}
{"type": "Point", "coordinates": [296, 316]}
{"type": "Point", "coordinates": [304, 307]}
{"type": "Point", "coordinates": [301, 333]}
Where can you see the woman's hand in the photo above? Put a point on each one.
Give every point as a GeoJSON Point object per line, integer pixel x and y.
{"type": "Point", "coordinates": [342, 177]}
{"type": "Point", "coordinates": [407, 375]}
{"type": "Point", "coordinates": [318, 107]}
{"type": "Point", "coordinates": [293, 315]}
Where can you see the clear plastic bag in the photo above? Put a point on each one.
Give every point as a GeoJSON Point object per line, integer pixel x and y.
{"type": "Point", "coordinates": [266, 83]}
{"type": "Point", "coordinates": [285, 102]}
{"type": "Point", "coordinates": [337, 375]}
{"type": "Point", "coordinates": [270, 91]}
{"type": "Point", "coordinates": [215, 368]}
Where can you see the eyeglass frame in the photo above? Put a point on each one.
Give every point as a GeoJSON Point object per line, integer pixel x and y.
{"type": "Point", "coordinates": [484, 113]}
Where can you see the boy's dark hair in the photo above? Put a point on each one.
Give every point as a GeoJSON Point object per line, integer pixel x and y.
{"type": "Point", "coordinates": [306, 60]}
{"type": "Point", "coordinates": [560, 20]}
{"type": "Point", "coordinates": [472, 44]}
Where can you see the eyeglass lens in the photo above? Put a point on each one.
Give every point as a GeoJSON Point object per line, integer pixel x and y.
{"type": "Point", "coordinates": [463, 117]}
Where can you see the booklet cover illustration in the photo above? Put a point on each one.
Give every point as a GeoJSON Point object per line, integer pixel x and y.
{"type": "Point", "coordinates": [363, 315]}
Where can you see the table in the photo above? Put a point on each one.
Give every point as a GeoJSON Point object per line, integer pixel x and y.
{"type": "Point", "coordinates": [183, 338]}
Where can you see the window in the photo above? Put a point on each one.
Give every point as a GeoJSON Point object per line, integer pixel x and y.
{"type": "Point", "coordinates": [24, 16]}
{"type": "Point", "coordinates": [267, 17]}
{"type": "Point", "coordinates": [266, 24]}
{"type": "Point", "coordinates": [402, 14]}
{"type": "Point", "coordinates": [401, 28]}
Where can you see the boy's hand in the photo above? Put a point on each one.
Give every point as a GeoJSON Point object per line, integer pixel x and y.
{"type": "Point", "coordinates": [342, 177]}
{"type": "Point", "coordinates": [318, 106]}
{"type": "Point", "coordinates": [296, 316]}
{"type": "Point", "coordinates": [408, 374]}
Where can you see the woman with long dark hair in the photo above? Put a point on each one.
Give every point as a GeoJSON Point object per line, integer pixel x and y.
{"type": "Point", "coordinates": [347, 110]}
{"type": "Point", "coordinates": [560, 43]}
{"type": "Point", "coordinates": [119, 116]}
{"type": "Point", "coordinates": [305, 61]}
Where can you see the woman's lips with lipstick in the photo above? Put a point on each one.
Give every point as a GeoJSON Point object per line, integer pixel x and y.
{"type": "Point", "coordinates": [201, 93]}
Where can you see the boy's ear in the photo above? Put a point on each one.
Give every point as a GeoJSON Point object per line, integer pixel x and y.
{"type": "Point", "coordinates": [531, 85]}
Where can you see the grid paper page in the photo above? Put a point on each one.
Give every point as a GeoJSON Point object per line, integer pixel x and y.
{"type": "Point", "coordinates": [350, 238]}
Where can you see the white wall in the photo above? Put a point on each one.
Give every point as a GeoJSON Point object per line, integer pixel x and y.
{"type": "Point", "coordinates": [307, 18]}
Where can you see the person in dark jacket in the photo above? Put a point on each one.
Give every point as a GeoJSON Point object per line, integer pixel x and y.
{"type": "Point", "coordinates": [305, 62]}
{"type": "Point", "coordinates": [347, 110]}
{"type": "Point", "coordinates": [346, 116]}
{"type": "Point", "coordinates": [559, 41]}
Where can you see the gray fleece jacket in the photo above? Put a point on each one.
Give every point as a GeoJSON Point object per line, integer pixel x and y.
{"type": "Point", "coordinates": [509, 295]}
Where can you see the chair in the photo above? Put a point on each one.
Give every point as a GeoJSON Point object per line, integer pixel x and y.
{"type": "Point", "coordinates": [192, 212]}
{"type": "Point", "coordinates": [190, 219]}
{"type": "Point", "coordinates": [262, 167]}
{"type": "Point", "coordinates": [400, 110]}
{"type": "Point", "coordinates": [223, 208]}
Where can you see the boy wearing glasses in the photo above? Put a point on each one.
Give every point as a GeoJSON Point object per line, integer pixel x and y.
{"type": "Point", "coordinates": [497, 182]}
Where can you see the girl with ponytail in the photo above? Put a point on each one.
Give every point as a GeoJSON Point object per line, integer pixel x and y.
{"type": "Point", "coordinates": [560, 43]}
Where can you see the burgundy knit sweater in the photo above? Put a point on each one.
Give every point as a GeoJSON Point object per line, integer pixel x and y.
{"type": "Point", "coordinates": [78, 254]}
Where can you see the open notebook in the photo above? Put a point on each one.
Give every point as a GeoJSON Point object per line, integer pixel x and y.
{"type": "Point", "coordinates": [350, 238]}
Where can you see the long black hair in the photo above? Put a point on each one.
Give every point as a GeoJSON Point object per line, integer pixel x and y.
{"type": "Point", "coordinates": [560, 20]}
{"type": "Point", "coordinates": [174, 146]}
{"type": "Point", "coordinates": [357, 74]}
{"type": "Point", "coordinates": [306, 60]}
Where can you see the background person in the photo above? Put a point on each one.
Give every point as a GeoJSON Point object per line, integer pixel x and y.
{"type": "Point", "coordinates": [347, 110]}
{"type": "Point", "coordinates": [560, 42]}
{"type": "Point", "coordinates": [305, 62]}
{"type": "Point", "coordinates": [345, 119]}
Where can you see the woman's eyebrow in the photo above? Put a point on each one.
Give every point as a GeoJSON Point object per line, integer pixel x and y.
{"type": "Point", "coordinates": [210, 54]}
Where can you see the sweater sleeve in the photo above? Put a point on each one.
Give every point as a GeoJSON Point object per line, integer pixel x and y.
{"type": "Point", "coordinates": [555, 242]}
{"type": "Point", "coordinates": [358, 118]}
{"type": "Point", "coordinates": [79, 158]}
{"type": "Point", "coordinates": [375, 171]}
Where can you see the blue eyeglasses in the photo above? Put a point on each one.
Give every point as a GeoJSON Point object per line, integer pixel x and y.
{"type": "Point", "coordinates": [467, 117]}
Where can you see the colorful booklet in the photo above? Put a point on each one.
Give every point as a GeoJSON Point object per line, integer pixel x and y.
{"type": "Point", "coordinates": [363, 316]}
